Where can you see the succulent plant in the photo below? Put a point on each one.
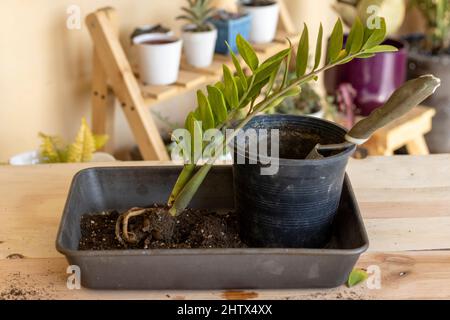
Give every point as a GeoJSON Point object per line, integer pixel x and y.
{"type": "Point", "coordinates": [197, 14]}
{"type": "Point", "coordinates": [437, 17]}
{"type": "Point", "coordinates": [392, 10]}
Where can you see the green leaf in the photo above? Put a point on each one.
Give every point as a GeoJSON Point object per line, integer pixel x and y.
{"type": "Point", "coordinates": [230, 88]}
{"type": "Point", "coordinates": [83, 148]}
{"type": "Point", "coordinates": [266, 69]}
{"type": "Point", "coordinates": [357, 276]}
{"type": "Point", "coordinates": [355, 38]}
{"type": "Point", "coordinates": [247, 52]}
{"type": "Point", "coordinates": [100, 141]}
{"type": "Point", "coordinates": [239, 86]}
{"type": "Point", "coordinates": [218, 105]}
{"type": "Point", "coordinates": [336, 41]}
{"type": "Point", "coordinates": [319, 47]}
{"type": "Point", "coordinates": [346, 60]}
{"type": "Point", "coordinates": [205, 111]}
{"type": "Point", "coordinates": [238, 67]}
{"type": "Point", "coordinates": [365, 55]}
{"type": "Point", "coordinates": [375, 36]}
{"type": "Point", "coordinates": [303, 53]}
{"type": "Point", "coordinates": [293, 92]}
{"type": "Point", "coordinates": [51, 148]}
{"type": "Point", "coordinates": [381, 48]}
{"type": "Point", "coordinates": [255, 91]}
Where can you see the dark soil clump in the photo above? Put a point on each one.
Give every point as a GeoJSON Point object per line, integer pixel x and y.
{"type": "Point", "coordinates": [156, 229]}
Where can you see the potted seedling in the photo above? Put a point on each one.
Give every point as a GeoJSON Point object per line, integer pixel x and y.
{"type": "Point", "coordinates": [430, 52]}
{"type": "Point", "coordinates": [199, 36]}
{"type": "Point", "coordinates": [264, 15]}
{"type": "Point", "coordinates": [153, 28]}
{"type": "Point", "coordinates": [289, 207]}
{"type": "Point", "coordinates": [54, 150]}
{"type": "Point", "coordinates": [308, 103]}
{"type": "Point", "coordinates": [375, 78]}
{"type": "Point", "coordinates": [158, 57]}
{"type": "Point", "coordinates": [229, 25]}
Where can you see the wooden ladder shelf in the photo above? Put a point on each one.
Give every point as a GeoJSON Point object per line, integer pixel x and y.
{"type": "Point", "coordinates": [112, 72]}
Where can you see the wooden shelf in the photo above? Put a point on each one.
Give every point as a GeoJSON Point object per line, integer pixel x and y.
{"type": "Point", "coordinates": [191, 77]}
{"type": "Point", "coordinates": [114, 73]}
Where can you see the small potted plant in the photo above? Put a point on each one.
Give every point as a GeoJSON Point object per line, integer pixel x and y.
{"type": "Point", "coordinates": [151, 28]}
{"type": "Point", "coordinates": [430, 52]}
{"type": "Point", "coordinates": [264, 15]}
{"type": "Point", "coordinates": [375, 78]}
{"type": "Point", "coordinates": [229, 25]}
{"type": "Point", "coordinates": [54, 150]}
{"type": "Point", "coordinates": [199, 36]}
{"type": "Point", "coordinates": [308, 103]}
{"type": "Point", "coordinates": [158, 57]}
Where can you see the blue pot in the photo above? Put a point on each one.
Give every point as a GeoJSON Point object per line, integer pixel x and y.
{"type": "Point", "coordinates": [227, 31]}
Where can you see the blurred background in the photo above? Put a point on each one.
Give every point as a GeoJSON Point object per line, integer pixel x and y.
{"type": "Point", "coordinates": [45, 67]}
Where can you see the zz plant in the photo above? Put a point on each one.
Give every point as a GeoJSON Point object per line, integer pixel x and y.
{"type": "Point", "coordinates": [226, 100]}
{"type": "Point", "coordinates": [197, 13]}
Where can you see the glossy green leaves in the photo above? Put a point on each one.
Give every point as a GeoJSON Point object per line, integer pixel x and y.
{"type": "Point", "coordinates": [356, 277]}
{"type": "Point", "coordinates": [230, 88]}
{"type": "Point", "coordinates": [361, 42]}
{"type": "Point", "coordinates": [237, 94]}
{"type": "Point", "coordinates": [247, 53]}
{"type": "Point", "coordinates": [303, 53]}
{"type": "Point", "coordinates": [355, 38]}
{"type": "Point", "coordinates": [336, 41]}
{"type": "Point", "coordinates": [218, 104]}
{"type": "Point", "coordinates": [318, 56]}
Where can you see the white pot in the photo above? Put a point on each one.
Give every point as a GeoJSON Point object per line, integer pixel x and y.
{"type": "Point", "coordinates": [199, 47]}
{"type": "Point", "coordinates": [32, 157]}
{"type": "Point", "coordinates": [264, 22]}
{"type": "Point", "coordinates": [26, 158]}
{"type": "Point", "coordinates": [159, 63]}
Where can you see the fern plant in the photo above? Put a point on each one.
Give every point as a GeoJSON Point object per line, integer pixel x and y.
{"type": "Point", "coordinates": [53, 149]}
{"type": "Point", "coordinates": [197, 14]}
{"type": "Point", "coordinates": [225, 100]}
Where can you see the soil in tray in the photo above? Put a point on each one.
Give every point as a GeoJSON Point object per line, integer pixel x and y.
{"type": "Point", "coordinates": [159, 230]}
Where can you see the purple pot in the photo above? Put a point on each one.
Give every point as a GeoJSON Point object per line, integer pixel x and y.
{"type": "Point", "coordinates": [374, 79]}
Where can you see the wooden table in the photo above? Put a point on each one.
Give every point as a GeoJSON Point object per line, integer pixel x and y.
{"type": "Point", "coordinates": [405, 202]}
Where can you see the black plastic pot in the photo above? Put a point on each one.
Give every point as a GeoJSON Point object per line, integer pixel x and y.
{"type": "Point", "coordinates": [438, 140]}
{"type": "Point", "coordinates": [296, 206]}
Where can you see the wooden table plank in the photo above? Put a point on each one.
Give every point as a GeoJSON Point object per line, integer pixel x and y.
{"type": "Point", "coordinates": [413, 275]}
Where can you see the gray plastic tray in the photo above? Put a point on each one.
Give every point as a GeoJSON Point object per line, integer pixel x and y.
{"type": "Point", "coordinates": [99, 189]}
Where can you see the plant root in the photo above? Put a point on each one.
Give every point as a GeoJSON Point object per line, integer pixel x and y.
{"type": "Point", "coordinates": [123, 235]}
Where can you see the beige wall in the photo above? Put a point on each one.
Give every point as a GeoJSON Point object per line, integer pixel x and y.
{"type": "Point", "coordinates": [45, 67]}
